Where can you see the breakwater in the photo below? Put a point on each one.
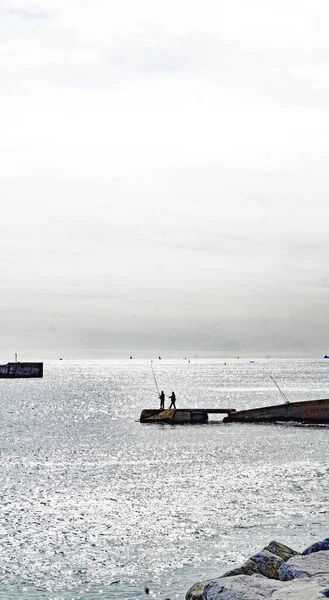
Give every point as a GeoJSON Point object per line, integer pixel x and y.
{"type": "Point", "coordinates": [277, 572]}
{"type": "Point", "coordinates": [310, 411]}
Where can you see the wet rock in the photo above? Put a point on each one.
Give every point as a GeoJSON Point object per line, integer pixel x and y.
{"type": "Point", "coordinates": [268, 564]}
{"type": "Point", "coordinates": [317, 546]}
{"type": "Point", "coordinates": [280, 550]}
{"type": "Point", "coordinates": [315, 565]}
{"type": "Point", "coordinates": [265, 563]}
{"type": "Point", "coordinates": [254, 566]}
{"type": "Point", "coordinates": [248, 568]}
{"type": "Point", "coordinates": [196, 591]}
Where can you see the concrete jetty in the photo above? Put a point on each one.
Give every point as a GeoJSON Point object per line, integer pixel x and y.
{"type": "Point", "coordinates": [181, 415]}
{"type": "Point", "coordinates": [309, 411]}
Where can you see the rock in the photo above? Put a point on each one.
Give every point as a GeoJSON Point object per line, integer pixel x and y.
{"type": "Point", "coordinates": [268, 564]}
{"type": "Point", "coordinates": [257, 587]}
{"type": "Point", "coordinates": [265, 563]}
{"type": "Point", "coordinates": [196, 591]}
{"type": "Point", "coordinates": [288, 572]}
{"type": "Point", "coordinates": [248, 568]}
{"type": "Point", "coordinates": [241, 587]}
{"type": "Point", "coordinates": [280, 550]}
{"type": "Point", "coordinates": [315, 565]}
{"type": "Point", "coordinates": [301, 589]}
{"type": "Point", "coordinates": [317, 546]}
{"type": "Point", "coordinates": [277, 572]}
{"type": "Point", "coordinates": [254, 566]}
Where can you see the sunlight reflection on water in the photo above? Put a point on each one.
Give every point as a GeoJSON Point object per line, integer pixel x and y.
{"type": "Point", "coordinates": [93, 503]}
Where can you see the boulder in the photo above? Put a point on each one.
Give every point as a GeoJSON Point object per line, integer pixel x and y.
{"type": "Point", "coordinates": [268, 564]}
{"type": "Point", "coordinates": [241, 587]}
{"type": "Point", "coordinates": [315, 565]}
{"type": "Point", "coordinates": [196, 591]}
{"type": "Point", "coordinates": [265, 563]}
{"type": "Point", "coordinates": [300, 589]}
{"type": "Point", "coordinates": [280, 550]}
{"type": "Point", "coordinates": [317, 546]}
{"type": "Point", "coordinates": [288, 572]}
{"type": "Point", "coordinates": [257, 587]}
{"type": "Point", "coordinates": [248, 568]}
{"type": "Point", "coordinates": [277, 572]}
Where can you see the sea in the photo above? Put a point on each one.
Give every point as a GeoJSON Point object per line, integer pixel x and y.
{"type": "Point", "coordinates": [94, 504]}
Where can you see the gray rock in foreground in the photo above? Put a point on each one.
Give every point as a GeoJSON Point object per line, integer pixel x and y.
{"type": "Point", "coordinates": [315, 566]}
{"type": "Point", "coordinates": [257, 587]}
{"type": "Point", "coordinates": [298, 577]}
{"type": "Point", "coordinates": [305, 589]}
{"type": "Point", "coordinates": [241, 587]}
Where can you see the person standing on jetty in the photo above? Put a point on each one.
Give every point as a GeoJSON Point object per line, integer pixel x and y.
{"type": "Point", "coordinates": [173, 400]}
{"type": "Point", "coordinates": [162, 400]}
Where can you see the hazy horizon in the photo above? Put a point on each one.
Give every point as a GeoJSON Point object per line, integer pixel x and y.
{"type": "Point", "coordinates": [164, 177]}
{"type": "Point", "coordinates": [149, 355]}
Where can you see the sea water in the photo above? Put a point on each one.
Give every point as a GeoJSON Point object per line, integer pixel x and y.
{"type": "Point", "coordinates": [95, 504]}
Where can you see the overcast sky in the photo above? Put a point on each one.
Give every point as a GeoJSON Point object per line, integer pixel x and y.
{"type": "Point", "coordinates": [164, 177]}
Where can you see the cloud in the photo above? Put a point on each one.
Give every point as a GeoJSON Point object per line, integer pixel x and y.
{"type": "Point", "coordinates": [183, 135]}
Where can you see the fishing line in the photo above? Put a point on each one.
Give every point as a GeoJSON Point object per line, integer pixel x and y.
{"type": "Point", "coordinates": [281, 392]}
{"type": "Point", "coordinates": [155, 381]}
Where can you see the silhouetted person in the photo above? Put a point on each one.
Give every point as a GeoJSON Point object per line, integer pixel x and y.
{"type": "Point", "coordinates": [162, 400]}
{"type": "Point", "coordinates": [173, 400]}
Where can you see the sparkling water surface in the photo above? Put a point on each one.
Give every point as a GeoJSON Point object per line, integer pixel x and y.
{"type": "Point", "coordinates": [96, 505]}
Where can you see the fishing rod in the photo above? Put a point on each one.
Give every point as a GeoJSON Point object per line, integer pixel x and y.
{"type": "Point", "coordinates": [281, 392]}
{"type": "Point", "coordinates": [155, 381]}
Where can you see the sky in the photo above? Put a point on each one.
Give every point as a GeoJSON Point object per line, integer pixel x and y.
{"type": "Point", "coordinates": [164, 177]}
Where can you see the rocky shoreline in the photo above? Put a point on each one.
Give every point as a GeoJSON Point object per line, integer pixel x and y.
{"type": "Point", "coordinates": [277, 572]}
